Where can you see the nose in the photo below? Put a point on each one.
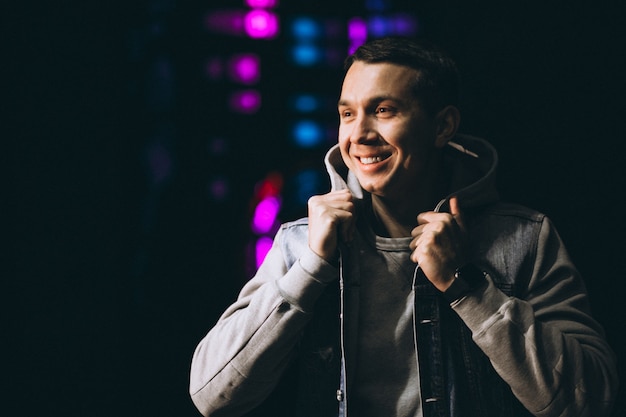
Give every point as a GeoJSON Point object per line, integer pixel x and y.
{"type": "Point", "coordinates": [363, 130]}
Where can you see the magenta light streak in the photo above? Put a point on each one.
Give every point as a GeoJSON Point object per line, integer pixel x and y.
{"type": "Point", "coordinates": [261, 24]}
{"type": "Point", "coordinates": [247, 101]}
{"type": "Point", "coordinates": [263, 245]}
{"type": "Point", "coordinates": [263, 4]}
{"type": "Point", "coordinates": [357, 33]}
{"type": "Point", "coordinates": [245, 68]}
{"type": "Point", "coordinates": [265, 215]}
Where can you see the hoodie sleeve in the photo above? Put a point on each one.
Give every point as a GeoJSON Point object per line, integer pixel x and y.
{"type": "Point", "coordinates": [240, 361]}
{"type": "Point", "coordinates": [545, 345]}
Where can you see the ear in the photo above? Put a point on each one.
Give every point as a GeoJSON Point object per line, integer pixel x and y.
{"type": "Point", "coordinates": [448, 120]}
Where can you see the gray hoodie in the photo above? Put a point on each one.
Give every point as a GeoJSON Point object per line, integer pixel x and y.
{"type": "Point", "coordinates": [530, 319]}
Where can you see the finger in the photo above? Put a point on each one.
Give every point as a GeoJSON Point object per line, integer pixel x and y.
{"type": "Point", "coordinates": [417, 231]}
{"type": "Point", "coordinates": [455, 210]}
{"type": "Point", "coordinates": [427, 217]}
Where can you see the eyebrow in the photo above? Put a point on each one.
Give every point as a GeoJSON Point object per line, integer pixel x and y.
{"type": "Point", "coordinates": [376, 99]}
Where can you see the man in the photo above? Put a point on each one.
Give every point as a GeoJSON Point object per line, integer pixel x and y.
{"type": "Point", "coordinates": [409, 290]}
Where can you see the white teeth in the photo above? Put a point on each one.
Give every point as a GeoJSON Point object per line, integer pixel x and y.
{"type": "Point", "coordinates": [371, 160]}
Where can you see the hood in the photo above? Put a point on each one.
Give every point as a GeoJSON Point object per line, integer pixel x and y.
{"type": "Point", "coordinates": [471, 162]}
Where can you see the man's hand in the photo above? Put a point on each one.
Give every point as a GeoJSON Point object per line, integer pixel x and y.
{"type": "Point", "coordinates": [440, 245]}
{"type": "Point", "coordinates": [330, 216]}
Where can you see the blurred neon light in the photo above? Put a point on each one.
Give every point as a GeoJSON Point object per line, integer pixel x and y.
{"type": "Point", "coordinates": [306, 54]}
{"type": "Point", "coordinates": [245, 68]}
{"type": "Point", "coordinates": [263, 245]}
{"type": "Point", "coordinates": [308, 134]}
{"type": "Point", "coordinates": [379, 26]}
{"type": "Point", "coordinates": [308, 183]}
{"type": "Point", "coordinates": [256, 23]}
{"type": "Point", "coordinates": [398, 24]}
{"type": "Point", "coordinates": [262, 3]}
{"type": "Point", "coordinates": [265, 215]}
{"type": "Point", "coordinates": [305, 28]}
{"type": "Point", "coordinates": [230, 22]}
{"type": "Point", "coordinates": [247, 101]}
{"type": "Point", "coordinates": [261, 24]}
{"type": "Point", "coordinates": [306, 103]}
{"type": "Point", "coordinates": [357, 33]}
{"type": "Point", "coordinates": [270, 186]}
{"type": "Point", "coordinates": [405, 24]}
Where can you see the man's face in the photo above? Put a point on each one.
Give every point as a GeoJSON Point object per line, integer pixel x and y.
{"type": "Point", "coordinates": [385, 136]}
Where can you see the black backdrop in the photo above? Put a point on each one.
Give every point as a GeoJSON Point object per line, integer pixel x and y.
{"type": "Point", "coordinates": [102, 313]}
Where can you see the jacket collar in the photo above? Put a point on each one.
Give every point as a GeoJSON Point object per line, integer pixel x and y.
{"type": "Point", "coordinates": [472, 161]}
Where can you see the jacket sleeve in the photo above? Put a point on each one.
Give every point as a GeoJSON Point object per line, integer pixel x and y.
{"type": "Point", "coordinates": [545, 344]}
{"type": "Point", "coordinates": [239, 362]}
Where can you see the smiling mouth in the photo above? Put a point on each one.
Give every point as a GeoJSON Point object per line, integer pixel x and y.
{"type": "Point", "coordinates": [372, 159]}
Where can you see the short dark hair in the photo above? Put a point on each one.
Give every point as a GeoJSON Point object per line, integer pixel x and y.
{"type": "Point", "coordinates": [437, 84]}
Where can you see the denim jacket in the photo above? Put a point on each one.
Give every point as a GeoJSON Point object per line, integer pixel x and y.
{"type": "Point", "coordinates": [522, 343]}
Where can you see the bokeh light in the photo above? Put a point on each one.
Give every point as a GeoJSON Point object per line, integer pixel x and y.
{"type": "Point", "coordinates": [261, 24]}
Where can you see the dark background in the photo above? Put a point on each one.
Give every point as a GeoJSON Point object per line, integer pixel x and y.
{"type": "Point", "coordinates": [112, 281]}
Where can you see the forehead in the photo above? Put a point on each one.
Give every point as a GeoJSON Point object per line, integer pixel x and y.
{"type": "Point", "coordinates": [365, 80]}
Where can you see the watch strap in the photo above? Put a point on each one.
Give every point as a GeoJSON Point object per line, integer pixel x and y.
{"type": "Point", "coordinates": [466, 279]}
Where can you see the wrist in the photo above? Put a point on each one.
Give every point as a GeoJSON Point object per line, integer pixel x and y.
{"type": "Point", "coordinates": [466, 279]}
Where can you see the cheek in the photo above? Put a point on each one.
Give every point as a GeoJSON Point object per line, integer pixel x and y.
{"type": "Point", "coordinates": [344, 146]}
{"type": "Point", "coordinates": [344, 154]}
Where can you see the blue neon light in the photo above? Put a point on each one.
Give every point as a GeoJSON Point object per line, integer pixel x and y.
{"type": "Point", "coordinates": [308, 183]}
{"type": "Point", "coordinates": [306, 55]}
{"type": "Point", "coordinates": [306, 103]}
{"type": "Point", "coordinates": [305, 28]}
{"type": "Point", "coordinates": [308, 134]}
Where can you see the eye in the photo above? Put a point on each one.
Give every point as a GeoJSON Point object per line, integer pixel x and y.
{"type": "Point", "coordinates": [345, 114]}
{"type": "Point", "coordinates": [384, 111]}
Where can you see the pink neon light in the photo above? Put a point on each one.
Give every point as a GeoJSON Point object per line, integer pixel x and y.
{"type": "Point", "coordinates": [261, 24]}
{"type": "Point", "coordinates": [357, 33]}
{"type": "Point", "coordinates": [262, 3]}
{"type": "Point", "coordinates": [247, 102]}
{"type": "Point", "coordinates": [357, 29]}
{"type": "Point", "coordinates": [245, 68]}
{"type": "Point", "coordinates": [265, 215]}
{"type": "Point", "coordinates": [263, 245]}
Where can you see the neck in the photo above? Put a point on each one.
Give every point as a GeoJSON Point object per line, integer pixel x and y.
{"type": "Point", "coordinates": [397, 217]}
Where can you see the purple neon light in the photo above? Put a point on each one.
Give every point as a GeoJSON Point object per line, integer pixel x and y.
{"type": "Point", "coordinates": [357, 33]}
{"type": "Point", "coordinates": [245, 68]}
{"type": "Point", "coordinates": [265, 215]}
{"type": "Point", "coordinates": [261, 24]}
{"type": "Point", "coordinates": [263, 4]}
{"type": "Point", "coordinates": [247, 101]}
{"type": "Point", "coordinates": [406, 25]}
{"type": "Point", "coordinates": [263, 245]}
